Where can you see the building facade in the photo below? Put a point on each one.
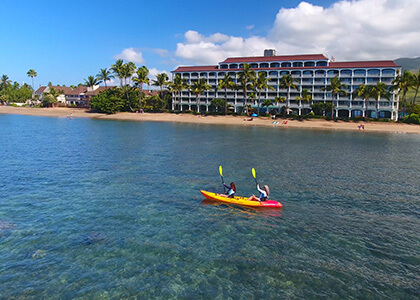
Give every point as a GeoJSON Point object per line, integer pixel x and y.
{"type": "Point", "coordinates": [312, 72]}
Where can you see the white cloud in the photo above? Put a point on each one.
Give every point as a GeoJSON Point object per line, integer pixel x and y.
{"type": "Point", "coordinates": [349, 30]}
{"type": "Point", "coordinates": [131, 54]}
{"type": "Point", "coordinates": [161, 52]}
{"type": "Point", "coordinates": [153, 72]}
{"type": "Point", "coordinates": [250, 27]}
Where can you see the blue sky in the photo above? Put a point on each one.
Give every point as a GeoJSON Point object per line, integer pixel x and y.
{"type": "Point", "coordinates": [66, 41]}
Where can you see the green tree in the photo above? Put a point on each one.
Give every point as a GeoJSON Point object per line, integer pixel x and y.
{"type": "Point", "coordinates": [114, 100]}
{"type": "Point", "coordinates": [219, 103]}
{"type": "Point", "coordinates": [19, 94]}
{"type": "Point", "coordinates": [306, 97]}
{"type": "Point", "coordinates": [321, 108]}
{"type": "Point", "coordinates": [154, 103]}
{"type": "Point", "coordinates": [278, 100]}
{"type": "Point", "coordinates": [415, 85]}
{"type": "Point", "coordinates": [267, 103]}
{"type": "Point", "coordinates": [380, 91]}
{"type": "Point", "coordinates": [118, 69]}
{"type": "Point", "coordinates": [400, 85]}
{"type": "Point", "coordinates": [105, 75]}
{"type": "Point", "coordinates": [91, 81]}
{"type": "Point", "coordinates": [161, 80]}
{"type": "Point", "coordinates": [260, 85]}
{"type": "Point", "coordinates": [4, 81]}
{"type": "Point", "coordinates": [288, 82]}
{"type": "Point", "coordinates": [51, 96]}
{"type": "Point", "coordinates": [225, 84]}
{"type": "Point", "coordinates": [198, 88]}
{"type": "Point", "coordinates": [245, 80]}
{"type": "Point", "coordinates": [32, 73]}
{"type": "Point", "coordinates": [365, 92]}
{"type": "Point", "coordinates": [108, 101]}
{"type": "Point", "coordinates": [142, 78]}
{"type": "Point", "coordinates": [128, 70]}
{"type": "Point", "coordinates": [177, 86]}
{"type": "Point", "coordinates": [336, 88]}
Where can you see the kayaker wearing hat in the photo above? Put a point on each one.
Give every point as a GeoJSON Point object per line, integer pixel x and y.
{"type": "Point", "coordinates": [264, 193]}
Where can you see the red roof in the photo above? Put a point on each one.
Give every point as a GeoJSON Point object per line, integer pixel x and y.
{"type": "Point", "coordinates": [41, 89]}
{"type": "Point", "coordinates": [363, 64]}
{"type": "Point", "coordinates": [196, 68]}
{"type": "Point", "coordinates": [275, 58]}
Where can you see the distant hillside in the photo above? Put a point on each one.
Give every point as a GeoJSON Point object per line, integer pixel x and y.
{"type": "Point", "coordinates": [409, 64]}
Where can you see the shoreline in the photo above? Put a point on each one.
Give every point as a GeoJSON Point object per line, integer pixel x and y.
{"type": "Point", "coordinates": [64, 112]}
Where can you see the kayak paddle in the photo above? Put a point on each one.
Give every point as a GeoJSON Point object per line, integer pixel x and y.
{"type": "Point", "coordinates": [223, 181]}
{"type": "Point", "coordinates": [255, 176]}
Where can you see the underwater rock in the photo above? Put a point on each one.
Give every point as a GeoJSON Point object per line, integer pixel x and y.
{"type": "Point", "coordinates": [39, 254]}
{"type": "Point", "coordinates": [93, 238]}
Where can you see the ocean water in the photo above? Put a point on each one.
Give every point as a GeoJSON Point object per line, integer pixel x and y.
{"type": "Point", "coordinates": [94, 209]}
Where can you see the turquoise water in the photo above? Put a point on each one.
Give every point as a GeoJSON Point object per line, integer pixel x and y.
{"type": "Point", "coordinates": [105, 209]}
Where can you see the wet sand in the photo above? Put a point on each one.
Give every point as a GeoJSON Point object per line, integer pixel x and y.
{"type": "Point", "coordinates": [219, 120]}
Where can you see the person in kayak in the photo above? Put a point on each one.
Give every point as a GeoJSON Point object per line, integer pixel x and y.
{"type": "Point", "coordinates": [264, 193]}
{"type": "Point", "coordinates": [231, 190]}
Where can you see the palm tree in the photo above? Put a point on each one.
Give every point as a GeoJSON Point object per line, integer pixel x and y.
{"type": "Point", "coordinates": [225, 84]}
{"type": "Point", "coordinates": [32, 73]}
{"type": "Point", "coordinates": [105, 75]}
{"type": "Point", "coordinates": [198, 88]}
{"type": "Point", "coordinates": [267, 103]}
{"type": "Point", "coordinates": [336, 88]}
{"type": "Point", "coordinates": [51, 96]}
{"type": "Point", "coordinates": [5, 81]}
{"type": "Point", "coordinates": [91, 82]}
{"type": "Point", "coordinates": [118, 69]}
{"type": "Point", "coordinates": [278, 100]}
{"type": "Point", "coordinates": [288, 82]}
{"type": "Point", "coordinates": [128, 70]}
{"type": "Point", "coordinates": [415, 85]}
{"type": "Point", "coordinates": [261, 84]}
{"type": "Point", "coordinates": [177, 85]}
{"type": "Point", "coordinates": [142, 78]}
{"type": "Point", "coordinates": [364, 92]}
{"type": "Point", "coordinates": [306, 97]}
{"type": "Point", "coordinates": [160, 81]}
{"type": "Point", "coordinates": [401, 84]}
{"type": "Point", "coordinates": [380, 91]}
{"type": "Point", "coordinates": [245, 79]}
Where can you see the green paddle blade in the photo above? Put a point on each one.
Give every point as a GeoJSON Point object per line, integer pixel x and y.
{"type": "Point", "coordinates": [221, 171]}
{"type": "Point", "coordinates": [253, 173]}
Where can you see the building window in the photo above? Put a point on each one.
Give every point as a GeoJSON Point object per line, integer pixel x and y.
{"type": "Point", "coordinates": [321, 64]}
{"type": "Point", "coordinates": [360, 73]}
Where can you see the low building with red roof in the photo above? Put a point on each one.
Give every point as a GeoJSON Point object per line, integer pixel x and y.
{"type": "Point", "coordinates": [79, 96]}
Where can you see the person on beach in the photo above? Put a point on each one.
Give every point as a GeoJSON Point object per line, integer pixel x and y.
{"type": "Point", "coordinates": [264, 193]}
{"type": "Point", "coordinates": [231, 190]}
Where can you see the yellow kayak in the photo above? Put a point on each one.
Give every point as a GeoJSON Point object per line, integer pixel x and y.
{"type": "Point", "coordinates": [241, 200]}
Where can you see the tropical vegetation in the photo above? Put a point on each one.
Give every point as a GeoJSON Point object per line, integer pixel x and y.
{"type": "Point", "coordinates": [130, 95]}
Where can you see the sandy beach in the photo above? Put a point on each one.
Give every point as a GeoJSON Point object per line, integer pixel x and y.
{"type": "Point", "coordinates": [219, 120]}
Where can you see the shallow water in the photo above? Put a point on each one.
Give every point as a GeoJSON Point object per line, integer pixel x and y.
{"type": "Point", "coordinates": [107, 209]}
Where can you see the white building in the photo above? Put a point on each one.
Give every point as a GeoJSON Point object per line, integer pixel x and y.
{"type": "Point", "coordinates": [312, 72]}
